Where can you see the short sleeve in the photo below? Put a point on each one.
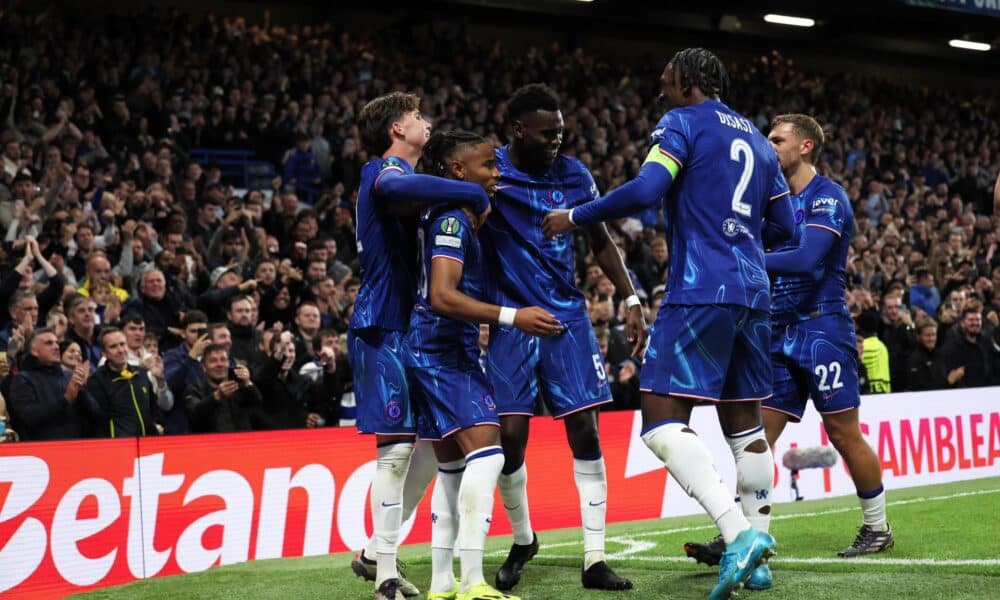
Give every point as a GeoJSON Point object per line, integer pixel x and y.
{"type": "Point", "coordinates": [827, 211]}
{"type": "Point", "coordinates": [588, 191]}
{"type": "Point", "coordinates": [449, 236]}
{"type": "Point", "coordinates": [675, 139]}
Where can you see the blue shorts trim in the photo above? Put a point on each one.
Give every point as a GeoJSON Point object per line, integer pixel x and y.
{"type": "Point", "coordinates": [713, 353]}
{"type": "Point", "coordinates": [380, 384]}
{"type": "Point", "coordinates": [566, 370]}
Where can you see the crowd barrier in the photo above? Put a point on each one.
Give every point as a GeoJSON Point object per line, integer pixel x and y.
{"type": "Point", "coordinates": [87, 514]}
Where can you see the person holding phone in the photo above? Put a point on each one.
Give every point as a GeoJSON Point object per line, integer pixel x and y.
{"type": "Point", "coordinates": [182, 367]}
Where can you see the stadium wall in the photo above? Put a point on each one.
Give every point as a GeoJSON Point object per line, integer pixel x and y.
{"type": "Point", "coordinates": [88, 514]}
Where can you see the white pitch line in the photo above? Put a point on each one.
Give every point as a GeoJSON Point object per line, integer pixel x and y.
{"type": "Point", "coordinates": [819, 560]}
{"type": "Point", "coordinates": [663, 532]}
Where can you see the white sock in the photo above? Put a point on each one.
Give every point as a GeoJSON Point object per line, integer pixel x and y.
{"type": "Point", "coordinates": [444, 525]}
{"type": "Point", "coordinates": [475, 506]}
{"type": "Point", "coordinates": [387, 505]}
{"type": "Point", "coordinates": [514, 493]}
{"type": "Point", "coordinates": [423, 467]}
{"type": "Point", "coordinates": [592, 484]}
{"type": "Point", "coordinates": [690, 463]}
{"type": "Point", "coordinates": [755, 477]}
{"type": "Point", "coordinates": [873, 509]}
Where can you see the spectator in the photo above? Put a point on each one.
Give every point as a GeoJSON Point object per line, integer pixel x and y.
{"type": "Point", "coordinates": [324, 387]}
{"type": "Point", "coordinates": [160, 308]}
{"type": "Point", "coordinates": [182, 367]}
{"type": "Point", "coordinates": [23, 309]}
{"type": "Point", "coordinates": [245, 338]}
{"type": "Point", "coordinates": [625, 386]}
{"type": "Point", "coordinates": [99, 278]}
{"type": "Point", "coordinates": [81, 317]}
{"type": "Point", "coordinates": [925, 365]}
{"type": "Point", "coordinates": [876, 356]}
{"type": "Point", "coordinates": [223, 401]}
{"type": "Point", "coordinates": [307, 326]}
{"type": "Point", "coordinates": [47, 403]}
{"type": "Point", "coordinates": [20, 278]}
{"type": "Point", "coordinates": [302, 170]}
{"type": "Point", "coordinates": [284, 391]}
{"type": "Point", "coordinates": [127, 399]}
{"type": "Point", "coordinates": [923, 293]}
{"type": "Point", "coordinates": [653, 271]}
{"type": "Point", "coordinates": [970, 359]}
{"type": "Point", "coordinates": [896, 332]}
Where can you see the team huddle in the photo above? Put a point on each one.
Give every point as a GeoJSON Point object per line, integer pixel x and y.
{"type": "Point", "coordinates": [754, 315]}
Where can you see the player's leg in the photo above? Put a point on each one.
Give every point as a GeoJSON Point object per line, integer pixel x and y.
{"type": "Point", "coordinates": [444, 518]}
{"type": "Point", "coordinates": [483, 461]}
{"type": "Point", "coordinates": [382, 393]}
{"type": "Point", "coordinates": [692, 347]}
{"type": "Point", "coordinates": [748, 382]}
{"type": "Point", "coordinates": [574, 385]}
{"type": "Point", "coordinates": [774, 425]}
{"type": "Point", "coordinates": [510, 368]}
{"type": "Point", "coordinates": [875, 534]}
{"type": "Point", "coordinates": [836, 394]}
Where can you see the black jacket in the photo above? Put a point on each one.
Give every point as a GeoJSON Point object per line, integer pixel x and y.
{"type": "Point", "coordinates": [977, 357]}
{"type": "Point", "coordinates": [37, 405]}
{"type": "Point", "coordinates": [123, 407]}
{"type": "Point", "coordinates": [925, 370]}
{"type": "Point", "coordinates": [232, 413]}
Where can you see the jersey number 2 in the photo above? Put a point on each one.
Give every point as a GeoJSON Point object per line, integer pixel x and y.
{"type": "Point", "coordinates": [740, 151]}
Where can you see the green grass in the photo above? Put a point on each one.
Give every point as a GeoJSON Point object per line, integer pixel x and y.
{"type": "Point", "coordinates": [927, 528]}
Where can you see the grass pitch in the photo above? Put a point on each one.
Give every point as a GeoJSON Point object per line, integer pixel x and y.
{"type": "Point", "coordinates": [947, 546]}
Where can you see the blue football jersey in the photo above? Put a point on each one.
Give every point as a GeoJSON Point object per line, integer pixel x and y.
{"type": "Point", "coordinates": [716, 205]}
{"type": "Point", "coordinates": [434, 339]}
{"type": "Point", "coordinates": [823, 204]}
{"type": "Point", "coordinates": [386, 251]}
{"type": "Point", "coordinates": [523, 268]}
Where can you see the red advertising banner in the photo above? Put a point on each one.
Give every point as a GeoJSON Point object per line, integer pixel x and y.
{"type": "Point", "coordinates": [93, 513]}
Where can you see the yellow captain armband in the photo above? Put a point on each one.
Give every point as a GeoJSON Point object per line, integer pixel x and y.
{"type": "Point", "coordinates": [658, 156]}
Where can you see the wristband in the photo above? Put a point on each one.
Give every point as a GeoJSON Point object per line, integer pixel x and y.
{"type": "Point", "coordinates": [632, 300]}
{"type": "Point", "coordinates": [507, 316]}
{"type": "Point", "coordinates": [570, 216]}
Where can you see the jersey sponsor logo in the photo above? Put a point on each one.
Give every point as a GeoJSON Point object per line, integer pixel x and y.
{"type": "Point", "coordinates": [732, 228]}
{"type": "Point", "coordinates": [824, 205]}
{"type": "Point", "coordinates": [393, 412]}
{"type": "Point", "coordinates": [448, 240]}
{"type": "Point", "coordinates": [451, 226]}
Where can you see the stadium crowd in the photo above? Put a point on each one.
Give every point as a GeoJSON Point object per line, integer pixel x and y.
{"type": "Point", "coordinates": [141, 292]}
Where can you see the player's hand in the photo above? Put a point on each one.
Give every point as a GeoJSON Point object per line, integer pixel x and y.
{"type": "Point", "coordinates": [635, 329]}
{"type": "Point", "coordinates": [556, 222]}
{"type": "Point", "coordinates": [537, 321]}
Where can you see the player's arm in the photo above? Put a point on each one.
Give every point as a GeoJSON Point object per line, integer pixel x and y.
{"type": "Point", "coordinates": [815, 244]}
{"type": "Point", "coordinates": [610, 260]}
{"type": "Point", "coordinates": [779, 222]}
{"type": "Point", "coordinates": [448, 300]}
{"type": "Point", "coordinates": [652, 182]}
{"type": "Point", "coordinates": [779, 216]}
{"type": "Point", "coordinates": [396, 187]}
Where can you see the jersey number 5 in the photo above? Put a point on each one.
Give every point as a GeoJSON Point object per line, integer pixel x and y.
{"type": "Point", "coordinates": [740, 152]}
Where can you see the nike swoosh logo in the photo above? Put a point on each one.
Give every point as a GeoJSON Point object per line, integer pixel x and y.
{"type": "Point", "coordinates": [384, 505]}
{"type": "Point", "coordinates": [599, 503]}
{"type": "Point", "coordinates": [742, 564]}
{"type": "Point", "coordinates": [512, 507]}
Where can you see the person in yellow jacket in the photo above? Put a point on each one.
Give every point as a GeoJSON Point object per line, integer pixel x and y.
{"type": "Point", "coordinates": [99, 275]}
{"type": "Point", "coordinates": [876, 356]}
